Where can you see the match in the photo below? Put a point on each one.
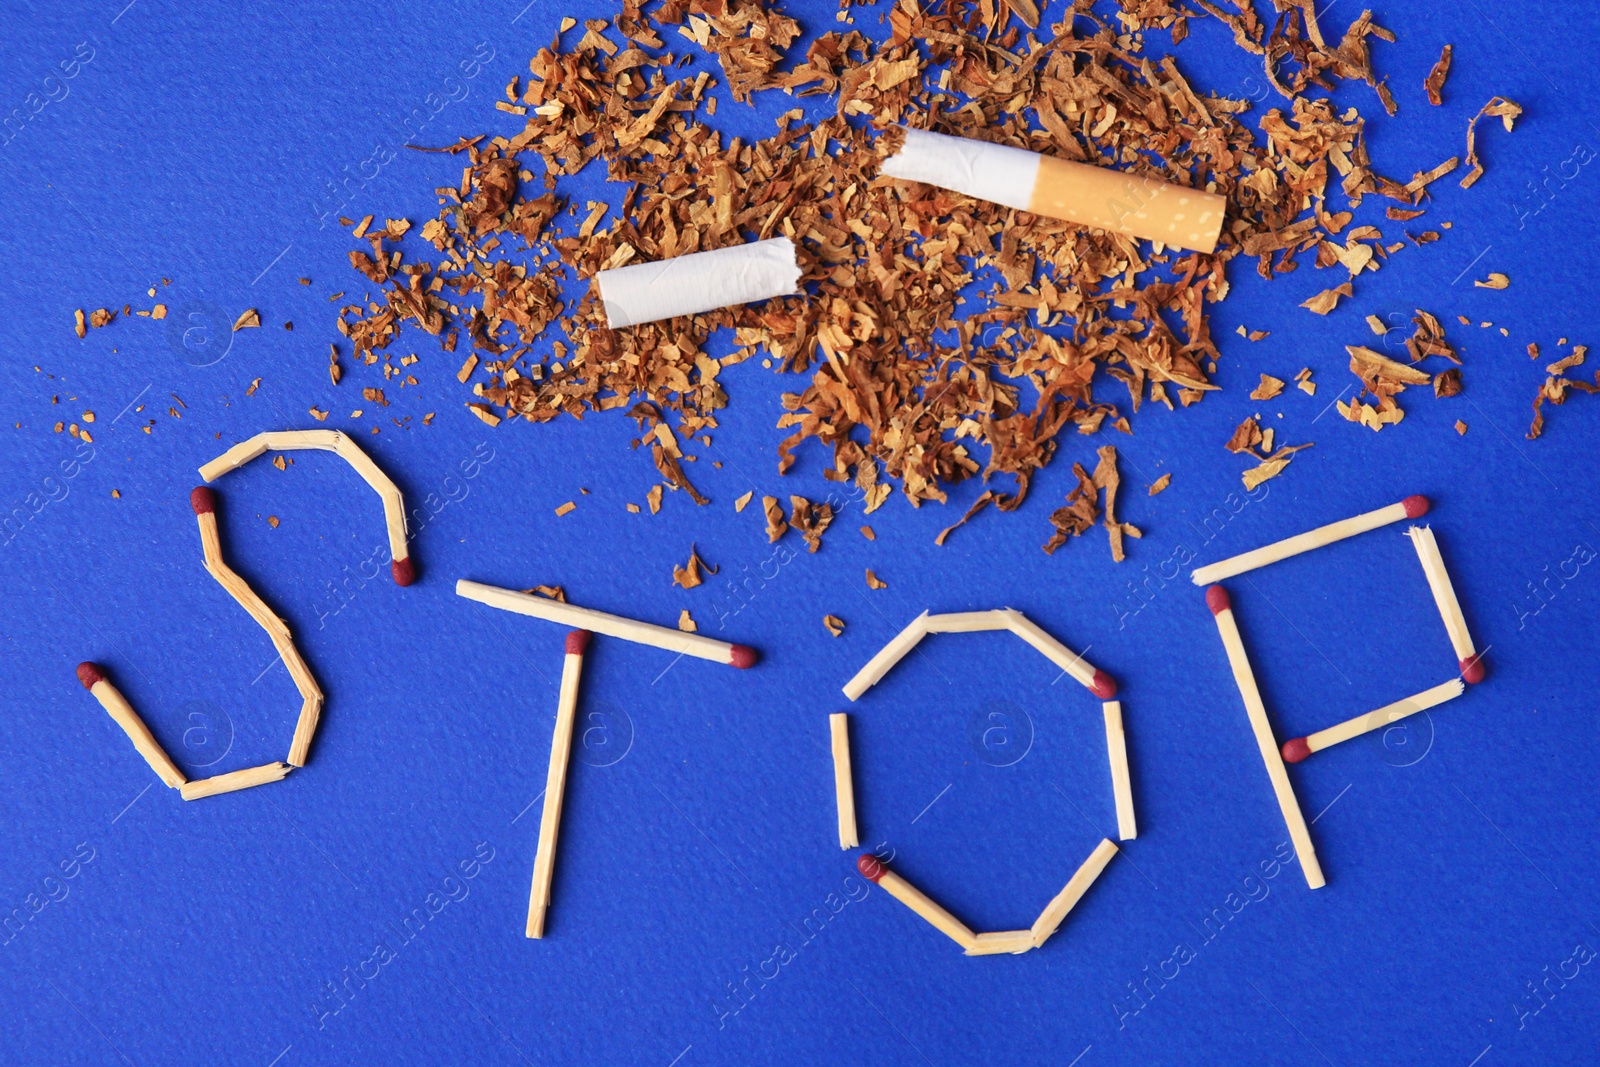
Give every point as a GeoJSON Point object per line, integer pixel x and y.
{"type": "Point", "coordinates": [555, 783]}
{"type": "Point", "coordinates": [844, 793]}
{"type": "Point", "coordinates": [1056, 911]}
{"type": "Point", "coordinates": [1298, 748]}
{"type": "Point", "coordinates": [887, 656]}
{"type": "Point", "coordinates": [394, 509]}
{"type": "Point", "coordinates": [967, 622]}
{"type": "Point", "coordinates": [600, 622]}
{"type": "Point", "coordinates": [1121, 787]}
{"type": "Point", "coordinates": [1217, 600]}
{"type": "Point", "coordinates": [1083, 672]}
{"type": "Point", "coordinates": [1015, 942]}
{"type": "Point", "coordinates": [305, 727]}
{"type": "Point", "coordinates": [122, 713]}
{"type": "Point", "coordinates": [233, 781]}
{"type": "Point", "coordinates": [912, 897]}
{"type": "Point", "coordinates": [1444, 595]}
{"type": "Point", "coordinates": [698, 282]}
{"type": "Point", "coordinates": [1097, 197]}
{"type": "Point", "coordinates": [1411, 507]}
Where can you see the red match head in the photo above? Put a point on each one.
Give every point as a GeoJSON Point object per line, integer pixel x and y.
{"type": "Point", "coordinates": [1416, 506]}
{"type": "Point", "coordinates": [577, 642]}
{"type": "Point", "coordinates": [1472, 668]}
{"type": "Point", "coordinates": [1217, 600]}
{"type": "Point", "coordinates": [89, 674]}
{"type": "Point", "coordinates": [203, 500]}
{"type": "Point", "coordinates": [405, 572]}
{"type": "Point", "coordinates": [1295, 749]}
{"type": "Point", "coordinates": [742, 656]}
{"type": "Point", "coordinates": [869, 866]}
{"type": "Point", "coordinates": [1104, 687]}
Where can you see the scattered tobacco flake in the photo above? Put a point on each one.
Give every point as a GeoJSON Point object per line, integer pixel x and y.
{"type": "Point", "coordinates": [1461, 427]}
{"type": "Point", "coordinates": [485, 413]}
{"type": "Point", "coordinates": [1271, 466]}
{"type": "Point", "coordinates": [776, 527]}
{"type": "Point", "coordinates": [1106, 477]}
{"type": "Point", "coordinates": [1447, 383]}
{"type": "Point", "coordinates": [1160, 484]}
{"type": "Point", "coordinates": [689, 575]}
{"type": "Point", "coordinates": [1269, 388]}
{"type": "Point", "coordinates": [809, 519]}
{"type": "Point", "coordinates": [686, 622]}
{"type": "Point", "coordinates": [1245, 437]}
{"type": "Point", "coordinates": [1383, 378]}
{"type": "Point", "coordinates": [834, 624]}
{"type": "Point", "coordinates": [1401, 214]}
{"type": "Point", "coordinates": [250, 319]}
{"type": "Point", "coordinates": [1498, 107]}
{"type": "Point", "coordinates": [280, 462]}
{"type": "Point", "coordinates": [739, 504]}
{"type": "Point", "coordinates": [272, 521]}
{"type": "Point", "coordinates": [1494, 281]}
{"type": "Point", "coordinates": [250, 389]}
{"type": "Point", "coordinates": [1427, 339]}
{"type": "Point", "coordinates": [101, 317]}
{"type": "Point", "coordinates": [549, 592]}
{"type": "Point", "coordinates": [1434, 82]}
{"type": "Point", "coordinates": [1328, 299]}
{"type": "Point", "coordinates": [869, 533]}
{"type": "Point", "coordinates": [1556, 386]}
{"type": "Point", "coordinates": [653, 499]}
{"type": "Point", "coordinates": [874, 582]}
{"type": "Point", "coordinates": [983, 500]}
{"type": "Point", "coordinates": [78, 324]}
{"type": "Point", "coordinates": [565, 508]}
{"type": "Point", "coordinates": [116, 494]}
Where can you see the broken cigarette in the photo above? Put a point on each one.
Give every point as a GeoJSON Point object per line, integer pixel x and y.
{"type": "Point", "coordinates": [394, 508]}
{"type": "Point", "coordinates": [1298, 748]}
{"type": "Point", "coordinates": [844, 793]}
{"type": "Point", "coordinates": [912, 897]}
{"type": "Point", "coordinates": [1098, 197]}
{"type": "Point", "coordinates": [1411, 507]}
{"type": "Point", "coordinates": [1097, 681]}
{"type": "Point", "coordinates": [122, 713]}
{"type": "Point", "coordinates": [699, 282]}
{"type": "Point", "coordinates": [555, 784]}
{"type": "Point", "coordinates": [1217, 600]}
{"type": "Point", "coordinates": [1444, 595]}
{"type": "Point", "coordinates": [235, 780]}
{"type": "Point", "coordinates": [601, 622]}
{"type": "Point", "coordinates": [1056, 911]}
{"type": "Point", "coordinates": [204, 502]}
{"type": "Point", "coordinates": [1121, 787]}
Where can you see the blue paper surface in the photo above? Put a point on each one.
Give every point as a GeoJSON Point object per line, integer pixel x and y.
{"type": "Point", "coordinates": [370, 908]}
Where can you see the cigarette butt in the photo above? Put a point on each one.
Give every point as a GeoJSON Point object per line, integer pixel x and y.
{"type": "Point", "coordinates": [1298, 748]}
{"type": "Point", "coordinates": [1056, 911]}
{"type": "Point", "coordinates": [1121, 786]}
{"type": "Point", "coordinates": [601, 622]}
{"type": "Point", "coordinates": [1222, 609]}
{"type": "Point", "coordinates": [234, 781]}
{"type": "Point", "coordinates": [555, 783]}
{"type": "Point", "coordinates": [912, 897]}
{"type": "Point", "coordinates": [844, 794]}
{"type": "Point", "coordinates": [122, 713]}
{"type": "Point", "coordinates": [890, 654]}
{"type": "Point", "coordinates": [1411, 507]}
{"type": "Point", "coordinates": [1444, 597]}
{"type": "Point", "coordinates": [1015, 942]}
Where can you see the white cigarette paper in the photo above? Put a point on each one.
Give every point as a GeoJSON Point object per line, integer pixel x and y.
{"type": "Point", "coordinates": [699, 282]}
{"type": "Point", "coordinates": [1099, 197]}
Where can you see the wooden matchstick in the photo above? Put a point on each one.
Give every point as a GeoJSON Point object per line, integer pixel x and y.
{"type": "Point", "coordinates": [1245, 679]}
{"type": "Point", "coordinates": [1444, 595]}
{"type": "Point", "coordinates": [890, 654]}
{"type": "Point", "coordinates": [555, 783]}
{"type": "Point", "coordinates": [1083, 672]}
{"type": "Point", "coordinates": [1015, 942]}
{"type": "Point", "coordinates": [844, 793]}
{"type": "Point", "coordinates": [1298, 748]}
{"type": "Point", "coordinates": [912, 897]}
{"type": "Point", "coordinates": [234, 781]}
{"type": "Point", "coordinates": [305, 727]}
{"type": "Point", "coordinates": [600, 622]}
{"type": "Point", "coordinates": [1121, 787]}
{"type": "Point", "coordinates": [394, 510]}
{"type": "Point", "coordinates": [1056, 911]}
{"type": "Point", "coordinates": [966, 622]}
{"type": "Point", "coordinates": [1410, 508]}
{"type": "Point", "coordinates": [204, 503]}
{"type": "Point", "coordinates": [122, 713]}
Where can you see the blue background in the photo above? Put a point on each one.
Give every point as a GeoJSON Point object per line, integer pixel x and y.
{"type": "Point", "coordinates": [199, 144]}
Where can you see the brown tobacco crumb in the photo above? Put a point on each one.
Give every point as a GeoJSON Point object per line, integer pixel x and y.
{"type": "Point", "coordinates": [739, 504]}
{"type": "Point", "coordinates": [116, 494]}
{"type": "Point", "coordinates": [374, 396]}
{"type": "Point", "coordinates": [1271, 466]}
{"type": "Point", "coordinates": [1259, 335]}
{"type": "Point", "coordinates": [1556, 386]}
{"type": "Point", "coordinates": [633, 509]}
{"type": "Point", "coordinates": [549, 592]}
{"type": "Point", "coordinates": [466, 369]}
{"type": "Point", "coordinates": [1080, 513]}
{"type": "Point", "coordinates": [653, 498]}
{"type": "Point", "coordinates": [88, 416]}
{"type": "Point", "coordinates": [869, 533]}
{"type": "Point", "coordinates": [1383, 378]}
{"type": "Point", "coordinates": [77, 323]}
{"type": "Point", "coordinates": [1447, 383]}
{"type": "Point", "coordinates": [1434, 82]}
{"type": "Point", "coordinates": [564, 508]}
{"type": "Point", "coordinates": [1494, 281]}
{"type": "Point", "coordinates": [686, 622]}
{"type": "Point", "coordinates": [250, 390]}
{"type": "Point", "coordinates": [272, 521]}
{"type": "Point", "coordinates": [1245, 437]}
{"type": "Point", "coordinates": [809, 519]}
{"type": "Point", "coordinates": [1499, 107]}
{"type": "Point", "coordinates": [874, 582]}
{"type": "Point", "coordinates": [834, 624]}
{"type": "Point", "coordinates": [776, 527]}
{"type": "Point", "coordinates": [1327, 300]}
{"type": "Point", "coordinates": [1401, 214]}
{"type": "Point", "coordinates": [101, 317]}
{"type": "Point", "coordinates": [688, 575]}
{"type": "Point", "coordinates": [1376, 325]}
{"type": "Point", "coordinates": [483, 412]}
{"type": "Point", "coordinates": [251, 319]}
{"type": "Point", "coordinates": [1269, 388]}
{"type": "Point", "coordinates": [281, 463]}
{"type": "Point", "coordinates": [1461, 427]}
{"type": "Point", "coordinates": [319, 414]}
{"type": "Point", "coordinates": [1106, 478]}
{"type": "Point", "coordinates": [289, 326]}
{"type": "Point", "coordinates": [1160, 484]}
